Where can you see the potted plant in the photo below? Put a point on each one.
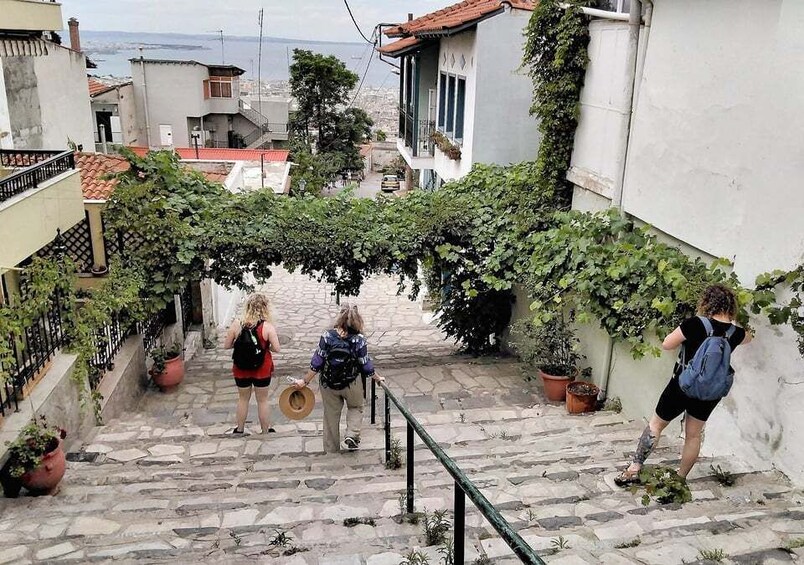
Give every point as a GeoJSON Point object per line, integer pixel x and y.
{"type": "Point", "coordinates": [99, 270]}
{"type": "Point", "coordinates": [167, 370]}
{"type": "Point", "coordinates": [581, 397]}
{"type": "Point", "coordinates": [552, 348]}
{"type": "Point", "coordinates": [36, 458]}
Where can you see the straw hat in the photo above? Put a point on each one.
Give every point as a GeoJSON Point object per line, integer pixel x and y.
{"type": "Point", "coordinates": [296, 404]}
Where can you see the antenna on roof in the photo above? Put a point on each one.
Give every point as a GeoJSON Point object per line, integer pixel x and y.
{"type": "Point", "coordinates": [220, 31]}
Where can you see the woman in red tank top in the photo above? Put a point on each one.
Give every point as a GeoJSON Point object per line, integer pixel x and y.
{"type": "Point", "coordinates": [257, 315]}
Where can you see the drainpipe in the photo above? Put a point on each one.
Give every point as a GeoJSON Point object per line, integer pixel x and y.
{"type": "Point", "coordinates": [145, 98]}
{"type": "Point", "coordinates": [634, 22]}
{"type": "Point", "coordinates": [102, 129]}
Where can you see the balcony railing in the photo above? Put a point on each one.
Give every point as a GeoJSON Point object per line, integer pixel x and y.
{"type": "Point", "coordinates": [35, 167]}
{"type": "Point", "coordinates": [416, 134]}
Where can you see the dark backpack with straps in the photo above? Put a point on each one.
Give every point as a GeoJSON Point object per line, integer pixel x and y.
{"type": "Point", "coordinates": [341, 366]}
{"type": "Point", "coordinates": [248, 353]}
{"type": "Point", "coordinates": [708, 375]}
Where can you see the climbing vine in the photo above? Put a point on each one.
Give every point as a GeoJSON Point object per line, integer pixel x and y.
{"type": "Point", "coordinates": [556, 58]}
{"type": "Point", "coordinates": [786, 310]}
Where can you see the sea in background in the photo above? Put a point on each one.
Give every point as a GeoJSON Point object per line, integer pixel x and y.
{"type": "Point", "coordinates": [111, 51]}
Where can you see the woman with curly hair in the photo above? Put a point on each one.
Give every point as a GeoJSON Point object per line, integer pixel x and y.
{"type": "Point", "coordinates": [257, 320]}
{"type": "Point", "coordinates": [718, 305]}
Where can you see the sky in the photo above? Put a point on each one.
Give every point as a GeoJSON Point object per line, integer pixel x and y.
{"type": "Point", "coordinates": [324, 20]}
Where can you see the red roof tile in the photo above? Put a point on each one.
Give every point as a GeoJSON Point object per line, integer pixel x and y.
{"type": "Point", "coordinates": [94, 168]}
{"type": "Point", "coordinates": [454, 16]}
{"type": "Point", "coordinates": [97, 87]}
{"type": "Point", "coordinates": [211, 154]}
{"type": "Point", "coordinates": [400, 45]}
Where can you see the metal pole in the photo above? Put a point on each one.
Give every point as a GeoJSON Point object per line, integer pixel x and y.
{"type": "Point", "coordinates": [387, 428]}
{"type": "Point", "coordinates": [262, 169]}
{"type": "Point", "coordinates": [102, 132]}
{"type": "Point", "coordinates": [410, 468]}
{"type": "Point", "coordinates": [373, 401]}
{"type": "Point", "coordinates": [459, 537]}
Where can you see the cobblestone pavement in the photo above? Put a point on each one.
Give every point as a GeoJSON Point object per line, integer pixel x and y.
{"type": "Point", "coordinates": [166, 484]}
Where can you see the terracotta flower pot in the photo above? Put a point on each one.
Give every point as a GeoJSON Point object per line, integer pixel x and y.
{"type": "Point", "coordinates": [555, 386]}
{"type": "Point", "coordinates": [581, 397]}
{"type": "Point", "coordinates": [171, 376]}
{"type": "Point", "coordinates": [48, 475]}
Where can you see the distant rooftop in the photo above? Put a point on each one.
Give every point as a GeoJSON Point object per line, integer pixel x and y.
{"type": "Point", "coordinates": [234, 69]}
{"type": "Point", "coordinates": [214, 154]}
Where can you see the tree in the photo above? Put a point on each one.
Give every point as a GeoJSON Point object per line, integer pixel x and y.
{"type": "Point", "coordinates": [380, 135]}
{"type": "Point", "coordinates": [352, 127]}
{"type": "Point", "coordinates": [320, 84]}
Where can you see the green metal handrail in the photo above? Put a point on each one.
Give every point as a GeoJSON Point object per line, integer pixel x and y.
{"type": "Point", "coordinates": [463, 486]}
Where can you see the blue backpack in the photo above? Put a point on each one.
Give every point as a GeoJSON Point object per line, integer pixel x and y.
{"type": "Point", "coordinates": [708, 376]}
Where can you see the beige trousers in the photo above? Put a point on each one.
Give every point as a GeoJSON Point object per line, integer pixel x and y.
{"type": "Point", "coordinates": [333, 401]}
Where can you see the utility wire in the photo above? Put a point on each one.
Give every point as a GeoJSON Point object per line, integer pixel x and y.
{"type": "Point", "coordinates": [354, 21]}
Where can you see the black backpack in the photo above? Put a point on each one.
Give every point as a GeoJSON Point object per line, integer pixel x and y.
{"type": "Point", "coordinates": [341, 366]}
{"type": "Point", "coordinates": [248, 354]}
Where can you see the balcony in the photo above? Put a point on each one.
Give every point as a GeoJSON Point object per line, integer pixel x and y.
{"type": "Point", "coordinates": [40, 191]}
{"type": "Point", "coordinates": [414, 143]}
{"type": "Point", "coordinates": [30, 15]}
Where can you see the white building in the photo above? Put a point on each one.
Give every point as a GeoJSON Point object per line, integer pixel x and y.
{"type": "Point", "coordinates": [114, 114]}
{"type": "Point", "coordinates": [460, 76]}
{"type": "Point", "coordinates": [181, 102]}
{"type": "Point", "coordinates": [713, 161]}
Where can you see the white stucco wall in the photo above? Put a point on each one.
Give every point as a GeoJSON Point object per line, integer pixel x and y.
{"type": "Point", "coordinates": [6, 141]}
{"type": "Point", "coordinates": [175, 91]}
{"type": "Point", "coordinates": [713, 164]}
{"type": "Point", "coordinates": [64, 99]}
{"type": "Point", "coordinates": [449, 61]}
{"type": "Point", "coordinates": [503, 131]}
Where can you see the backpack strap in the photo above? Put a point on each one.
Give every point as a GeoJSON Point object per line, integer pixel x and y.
{"type": "Point", "coordinates": [707, 326]}
{"type": "Point", "coordinates": [730, 331]}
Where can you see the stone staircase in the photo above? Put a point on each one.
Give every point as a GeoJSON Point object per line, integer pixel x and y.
{"type": "Point", "coordinates": [166, 483]}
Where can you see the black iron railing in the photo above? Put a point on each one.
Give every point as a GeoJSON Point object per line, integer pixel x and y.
{"type": "Point", "coordinates": [31, 352]}
{"type": "Point", "coordinates": [152, 329]}
{"type": "Point", "coordinates": [35, 167]}
{"type": "Point", "coordinates": [463, 486]}
{"type": "Point", "coordinates": [108, 342]}
{"type": "Point", "coordinates": [187, 308]}
{"type": "Point", "coordinates": [416, 133]}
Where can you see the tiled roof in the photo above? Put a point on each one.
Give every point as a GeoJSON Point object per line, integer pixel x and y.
{"type": "Point", "coordinates": [401, 45]}
{"type": "Point", "coordinates": [97, 87]}
{"type": "Point", "coordinates": [454, 16]}
{"type": "Point", "coordinates": [94, 168]}
{"type": "Point", "coordinates": [211, 154]}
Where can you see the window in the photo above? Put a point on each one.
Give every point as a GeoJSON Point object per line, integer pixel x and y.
{"type": "Point", "coordinates": [460, 101]}
{"type": "Point", "coordinates": [442, 99]}
{"type": "Point", "coordinates": [623, 6]}
{"type": "Point", "coordinates": [450, 103]}
{"type": "Point", "coordinates": [218, 87]}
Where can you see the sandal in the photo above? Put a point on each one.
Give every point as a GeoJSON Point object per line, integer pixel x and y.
{"type": "Point", "coordinates": [627, 478]}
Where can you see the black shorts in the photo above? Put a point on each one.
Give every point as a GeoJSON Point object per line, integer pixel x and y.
{"type": "Point", "coordinates": [673, 402]}
{"type": "Point", "coordinates": [250, 381]}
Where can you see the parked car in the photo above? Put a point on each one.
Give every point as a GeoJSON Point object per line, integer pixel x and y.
{"type": "Point", "coordinates": [389, 183]}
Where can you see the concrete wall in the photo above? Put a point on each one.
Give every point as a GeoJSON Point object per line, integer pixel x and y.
{"type": "Point", "coordinates": [6, 141]}
{"type": "Point", "coordinates": [47, 98]}
{"type": "Point", "coordinates": [175, 92]}
{"type": "Point", "coordinates": [120, 102]}
{"type": "Point", "coordinates": [26, 15]}
{"type": "Point", "coordinates": [503, 131]}
{"type": "Point", "coordinates": [29, 220]}
{"type": "Point", "coordinates": [711, 166]}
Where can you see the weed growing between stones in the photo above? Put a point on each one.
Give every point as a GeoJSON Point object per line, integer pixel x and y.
{"type": "Point", "coordinates": [664, 485]}
{"type": "Point", "coordinates": [352, 522]}
{"type": "Point", "coordinates": [725, 478]}
{"type": "Point", "coordinates": [613, 405]}
{"type": "Point", "coordinates": [633, 543]}
{"type": "Point", "coordinates": [559, 544]}
{"type": "Point", "coordinates": [436, 527]}
{"type": "Point", "coordinates": [483, 560]}
{"type": "Point", "coordinates": [531, 515]}
{"type": "Point", "coordinates": [447, 551]}
{"type": "Point", "coordinates": [237, 539]}
{"type": "Point", "coordinates": [415, 557]}
{"type": "Point", "coordinates": [281, 539]}
{"type": "Point", "coordinates": [712, 555]}
{"type": "Point", "coordinates": [794, 543]}
{"type": "Point", "coordinates": [462, 417]}
{"type": "Point", "coordinates": [395, 459]}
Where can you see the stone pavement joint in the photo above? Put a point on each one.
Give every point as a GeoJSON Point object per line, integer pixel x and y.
{"type": "Point", "coordinates": [169, 485]}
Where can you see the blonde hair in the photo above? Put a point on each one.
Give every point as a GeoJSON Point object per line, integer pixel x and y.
{"type": "Point", "coordinates": [258, 308]}
{"type": "Point", "coordinates": [349, 319]}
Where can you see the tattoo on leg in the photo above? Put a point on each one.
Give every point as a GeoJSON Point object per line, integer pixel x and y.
{"type": "Point", "coordinates": [647, 442]}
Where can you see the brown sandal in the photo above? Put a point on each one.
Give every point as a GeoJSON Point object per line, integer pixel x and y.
{"type": "Point", "coordinates": [626, 479]}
